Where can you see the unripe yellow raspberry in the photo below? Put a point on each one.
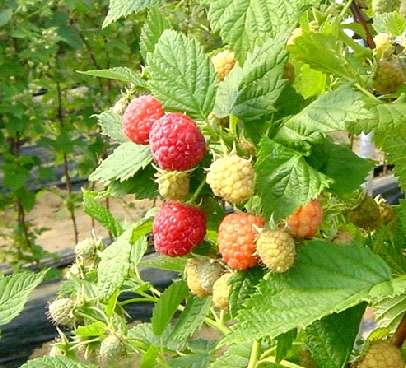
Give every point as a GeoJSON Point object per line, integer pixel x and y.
{"type": "Point", "coordinates": [221, 291]}
{"type": "Point", "coordinates": [173, 184]}
{"type": "Point", "coordinates": [382, 354]}
{"type": "Point", "coordinates": [276, 250]}
{"type": "Point", "coordinates": [383, 44]}
{"type": "Point", "coordinates": [232, 178]}
{"type": "Point", "coordinates": [201, 275]}
{"type": "Point", "coordinates": [61, 311]}
{"type": "Point", "coordinates": [223, 63]}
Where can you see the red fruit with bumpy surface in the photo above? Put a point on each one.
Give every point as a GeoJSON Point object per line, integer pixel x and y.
{"type": "Point", "coordinates": [236, 239]}
{"type": "Point", "coordinates": [305, 221]}
{"type": "Point", "coordinates": [178, 228]}
{"type": "Point", "coordinates": [139, 116]}
{"type": "Point", "coordinates": [176, 142]}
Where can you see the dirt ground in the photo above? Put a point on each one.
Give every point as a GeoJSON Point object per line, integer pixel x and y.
{"type": "Point", "coordinates": [50, 213]}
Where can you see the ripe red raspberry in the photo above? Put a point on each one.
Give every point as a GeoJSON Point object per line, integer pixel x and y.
{"type": "Point", "coordinates": [305, 221]}
{"type": "Point", "coordinates": [139, 116]}
{"type": "Point", "coordinates": [236, 239]}
{"type": "Point", "coordinates": [176, 142]}
{"type": "Point", "coordinates": [178, 228]}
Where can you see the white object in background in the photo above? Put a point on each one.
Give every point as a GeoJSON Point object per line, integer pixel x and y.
{"type": "Point", "coordinates": [367, 150]}
{"type": "Point", "coordinates": [366, 145]}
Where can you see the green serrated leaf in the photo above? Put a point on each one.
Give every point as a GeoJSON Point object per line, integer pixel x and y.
{"type": "Point", "coordinates": [56, 362]}
{"type": "Point", "coordinates": [243, 285]}
{"type": "Point", "coordinates": [100, 213]}
{"type": "Point", "coordinates": [120, 73]}
{"type": "Point", "coordinates": [123, 8]}
{"type": "Point", "coordinates": [111, 125]}
{"type": "Point", "coordinates": [323, 52]}
{"type": "Point", "coordinates": [114, 265]}
{"type": "Point", "coordinates": [390, 311]}
{"type": "Point", "coordinates": [154, 26]}
{"type": "Point", "coordinates": [123, 163]}
{"type": "Point", "coordinates": [138, 250]}
{"type": "Point", "coordinates": [331, 340]}
{"type": "Point", "coordinates": [181, 75]}
{"type": "Point", "coordinates": [115, 260]}
{"type": "Point", "coordinates": [190, 319]}
{"type": "Point", "coordinates": [341, 164]}
{"type": "Point", "coordinates": [176, 264]}
{"type": "Point", "coordinates": [245, 24]}
{"type": "Point", "coordinates": [236, 356]}
{"type": "Point", "coordinates": [94, 329]}
{"type": "Point", "coordinates": [285, 180]}
{"type": "Point", "coordinates": [167, 305]}
{"type": "Point", "coordinates": [15, 291]}
{"type": "Point", "coordinates": [325, 279]}
{"type": "Point", "coordinates": [309, 82]}
{"type": "Point", "coordinates": [331, 112]}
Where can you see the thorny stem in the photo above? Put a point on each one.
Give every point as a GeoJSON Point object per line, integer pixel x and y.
{"type": "Point", "coordinates": [400, 335]}
{"type": "Point", "coordinates": [254, 355]}
{"type": "Point", "coordinates": [359, 17]}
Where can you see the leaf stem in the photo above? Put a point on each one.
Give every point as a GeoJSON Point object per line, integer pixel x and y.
{"type": "Point", "coordinates": [254, 355]}
{"type": "Point", "coordinates": [192, 200]}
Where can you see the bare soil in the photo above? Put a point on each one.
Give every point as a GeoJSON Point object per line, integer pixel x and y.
{"type": "Point", "coordinates": [51, 214]}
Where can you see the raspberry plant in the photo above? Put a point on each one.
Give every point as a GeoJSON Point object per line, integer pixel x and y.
{"type": "Point", "coordinates": [276, 202]}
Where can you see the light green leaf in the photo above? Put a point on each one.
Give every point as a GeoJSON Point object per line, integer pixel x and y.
{"type": "Point", "coordinates": [167, 305]}
{"type": "Point", "coordinates": [122, 8]}
{"type": "Point", "coordinates": [115, 260]}
{"type": "Point", "coordinates": [191, 319]}
{"type": "Point", "coordinates": [56, 362]}
{"type": "Point", "coordinates": [138, 250]}
{"type": "Point", "coordinates": [150, 357]}
{"type": "Point", "coordinates": [309, 82]}
{"type": "Point", "coordinates": [245, 24]}
{"type": "Point", "coordinates": [95, 329]}
{"type": "Point", "coordinates": [331, 340]}
{"type": "Point", "coordinates": [123, 163]}
{"type": "Point", "coordinates": [331, 112]}
{"type": "Point", "coordinates": [323, 52]}
{"type": "Point", "coordinates": [118, 73]}
{"type": "Point", "coordinates": [285, 181]}
{"type": "Point", "coordinates": [111, 125]}
{"type": "Point", "coordinates": [114, 265]}
{"type": "Point", "coordinates": [383, 118]}
{"type": "Point", "coordinates": [15, 291]}
{"type": "Point", "coordinates": [100, 213]}
{"type": "Point", "coordinates": [284, 344]}
{"type": "Point", "coordinates": [176, 264]}
{"type": "Point", "coordinates": [325, 279]}
{"type": "Point", "coordinates": [392, 23]}
{"type": "Point", "coordinates": [236, 356]}
{"type": "Point", "coordinates": [390, 311]}
{"type": "Point", "coordinates": [155, 24]}
{"type": "Point", "coordinates": [181, 75]}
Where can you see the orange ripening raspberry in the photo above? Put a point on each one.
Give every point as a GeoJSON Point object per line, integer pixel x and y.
{"type": "Point", "coordinates": [305, 221]}
{"type": "Point", "coordinates": [236, 239]}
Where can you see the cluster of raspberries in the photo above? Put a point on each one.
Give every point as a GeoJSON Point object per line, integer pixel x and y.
{"type": "Point", "coordinates": [177, 146]}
